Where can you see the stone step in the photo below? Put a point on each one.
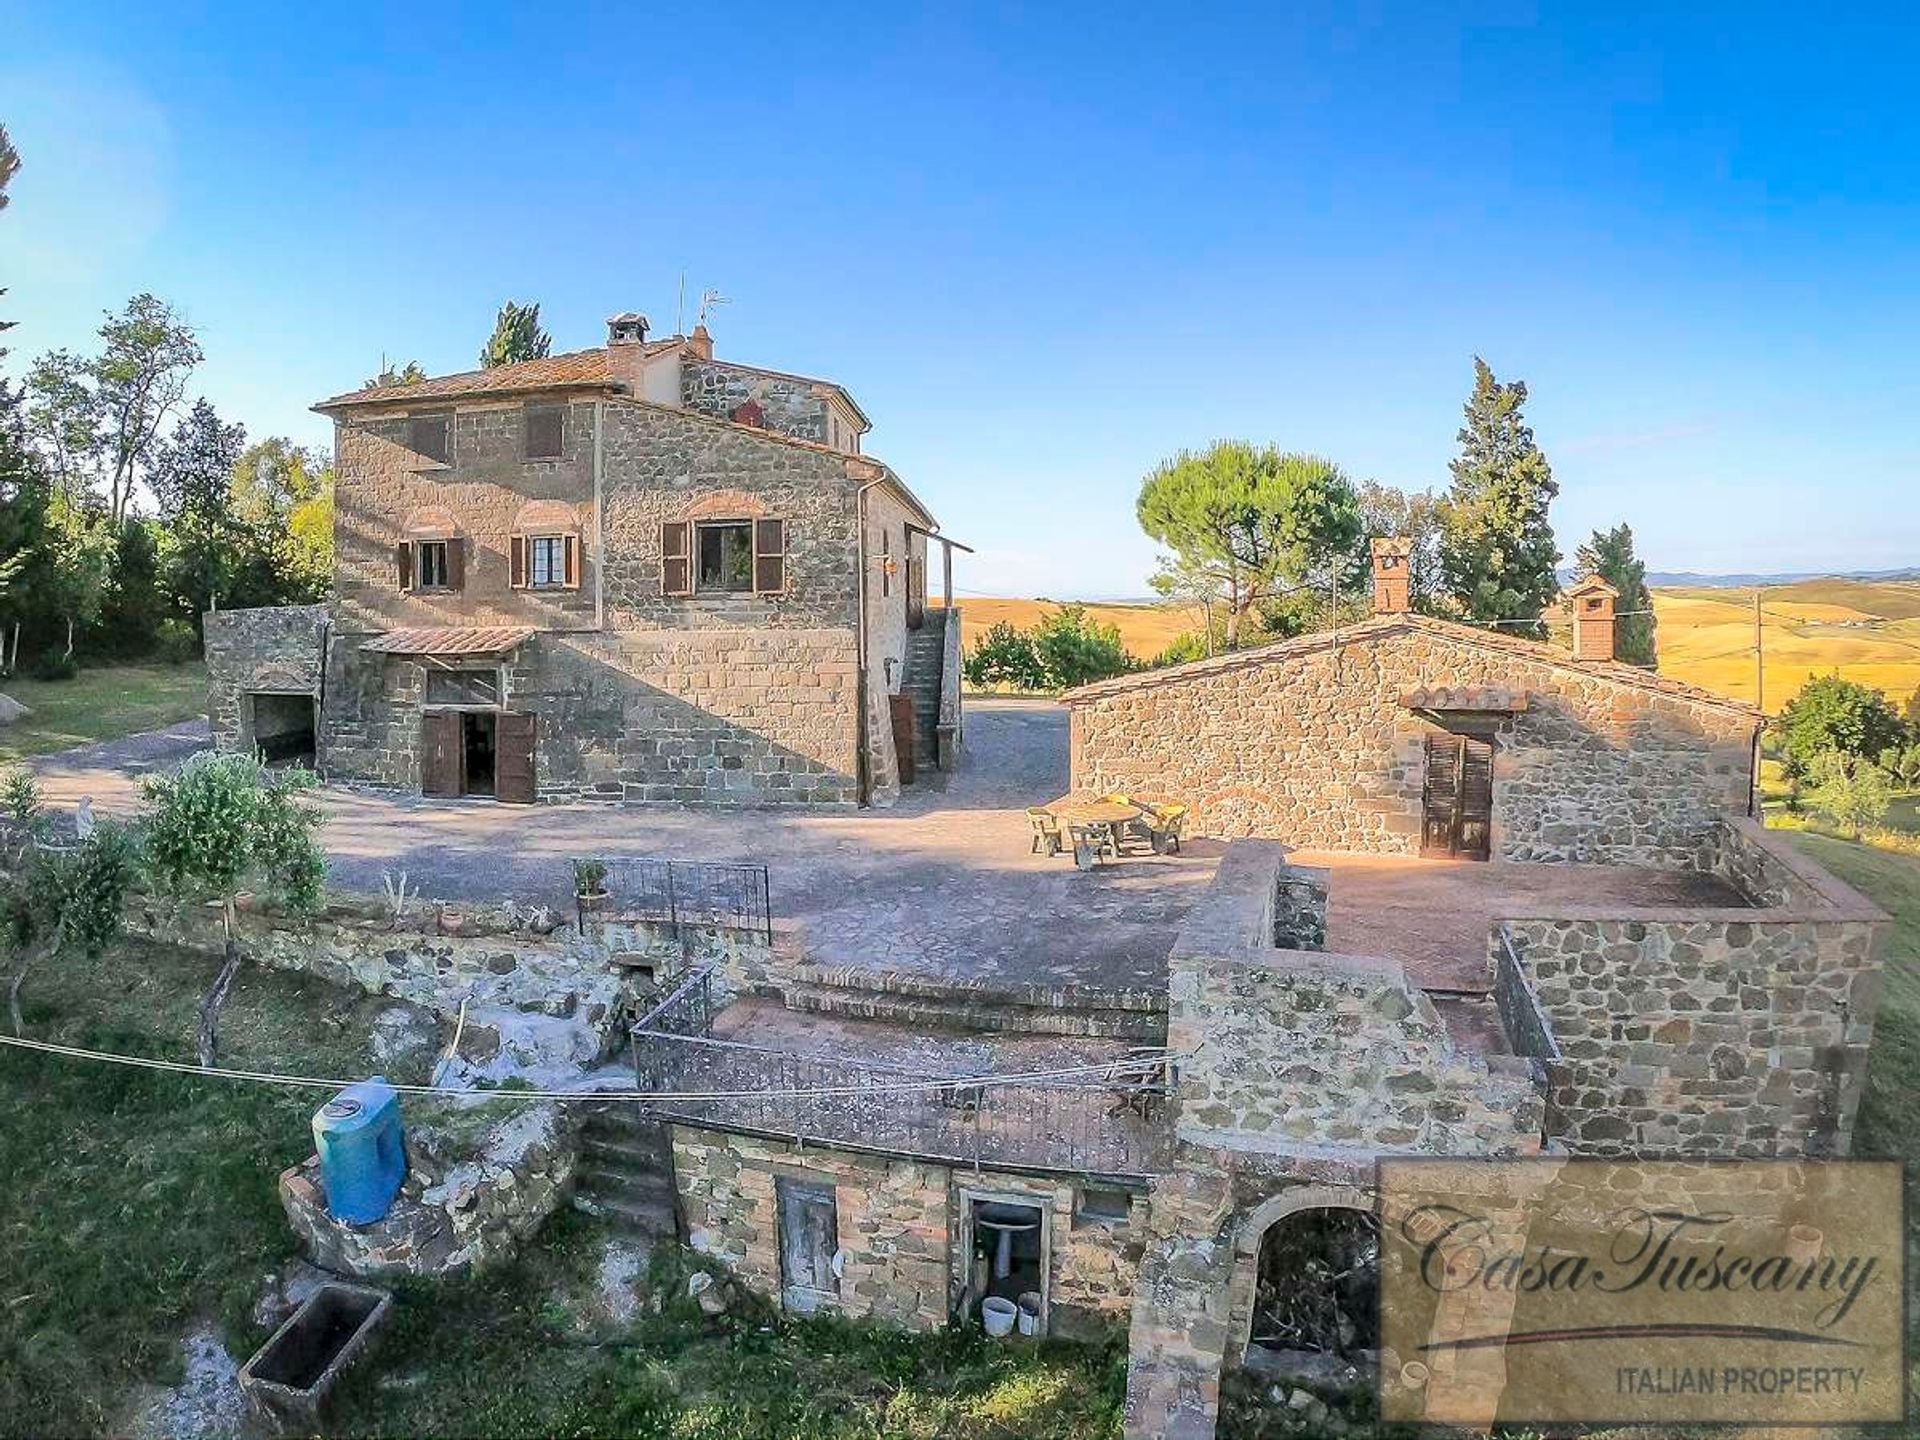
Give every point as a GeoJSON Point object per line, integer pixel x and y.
{"type": "Point", "coordinates": [636, 1185]}
{"type": "Point", "coordinates": [645, 1219]}
{"type": "Point", "coordinates": [1147, 1028]}
{"type": "Point", "coordinates": [921, 984]}
{"type": "Point", "coordinates": [622, 1151]}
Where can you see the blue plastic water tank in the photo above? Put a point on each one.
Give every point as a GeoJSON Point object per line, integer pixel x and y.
{"type": "Point", "coordinates": [363, 1153]}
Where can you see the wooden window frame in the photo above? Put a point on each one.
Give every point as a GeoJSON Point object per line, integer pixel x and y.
{"type": "Point", "coordinates": [520, 553]}
{"type": "Point", "coordinates": [768, 552]}
{"type": "Point", "coordinates": [433, 462]}
{"type": "Point", "coordinates": [528, 414]}
{"type": "Point", "coordinates": [499, 688]}
{"type": "Point", "coordinates": [712, 523]}
{"type": "Point", "coordinates": [424, 554]}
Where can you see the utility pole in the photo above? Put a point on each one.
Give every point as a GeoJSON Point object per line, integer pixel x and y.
{"type": "Point", "coordinates": [1759, 659]}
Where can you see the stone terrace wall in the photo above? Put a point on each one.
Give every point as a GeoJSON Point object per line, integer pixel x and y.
{"type": "Point", "coordinates": [1729, 1033]}
{"type": "Point", "coordinates": [1309, 742]}
{"type": "Point", "coordinates": [277, 649]}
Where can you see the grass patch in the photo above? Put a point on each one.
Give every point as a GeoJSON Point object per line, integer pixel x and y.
{"type": "Point", "coordinates": [102, 705]}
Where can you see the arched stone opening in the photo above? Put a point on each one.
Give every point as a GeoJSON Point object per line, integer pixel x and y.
{"type": "Point", "coordinates": [1317, 1285]}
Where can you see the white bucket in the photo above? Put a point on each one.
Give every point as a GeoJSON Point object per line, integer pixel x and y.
{"type": "Point", "coordinates": [998, 1315]}
{"type": "Point", "coordinates": [1030, 1312]}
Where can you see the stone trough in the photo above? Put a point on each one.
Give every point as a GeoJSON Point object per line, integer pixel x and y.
{"type": "Point", "coordinates": [291, 1376]}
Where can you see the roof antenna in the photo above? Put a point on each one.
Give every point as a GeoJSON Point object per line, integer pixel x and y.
{"type": "Point", "coordinates": [680, 305]}
{"type": "Point", "coordinates": [709, 299]}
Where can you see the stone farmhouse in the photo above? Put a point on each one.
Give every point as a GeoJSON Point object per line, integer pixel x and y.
{"type": "Point", "coordinates": [632, 572]}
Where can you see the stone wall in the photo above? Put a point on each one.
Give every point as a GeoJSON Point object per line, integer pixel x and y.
{"type": "Point", "coordinates": [276, 650]}
{"type": "Point", "coordinates": [1723, 1033]}
{"type": "Point", "coordinates": [1311, 741]}
{"type": "Point", "coordinates": [468, 1201]}
{"type": "Point", "coordinates": [794, 405]}
{"type": "Point", "coordinates": [898, 1229]}
{"type": "Point", "coordinates": [526, 959]}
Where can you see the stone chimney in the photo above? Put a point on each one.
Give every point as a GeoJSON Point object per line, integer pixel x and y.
{"type": "Point", "coordinates": [700, 343]}
{"type": "Point", "coordinates": [1592, 600]}
{"type": "Point", "coordinates": [629, 327]}
{"type": "Point", "coordinates": [1392, 575]}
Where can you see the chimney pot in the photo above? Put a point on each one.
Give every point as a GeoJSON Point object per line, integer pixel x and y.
{"type": "Point", "coordinates": [1593, 618]}
{"type": "Point", "coordinates": [1392, 575]}
{"type": "Point", "coordinates": [629, 327]}
{"type": "Point", "coordinates": [700, 343]}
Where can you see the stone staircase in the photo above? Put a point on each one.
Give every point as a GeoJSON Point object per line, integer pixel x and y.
{"type": "Point", "coordinates": [920, 678]}
{"type": "Point", "coordinates": [927, 1001]}
{"type": "Point", "coordinates": [626, 1172]}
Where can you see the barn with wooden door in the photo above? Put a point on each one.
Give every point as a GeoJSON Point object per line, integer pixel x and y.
{"type": "Point", "coordinates": [451, 682]}
{"type": "Point", "coordinates": [1411, 735]}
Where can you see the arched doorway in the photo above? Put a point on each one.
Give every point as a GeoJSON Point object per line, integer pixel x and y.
{"type": "Point", "coordinates": [1317, 1285]}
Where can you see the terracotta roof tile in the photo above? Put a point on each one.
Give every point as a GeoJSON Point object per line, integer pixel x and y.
{"type": "Point", "coordinates": [553, 372]}
{"type": "Point", "coordinates": [449, 640]}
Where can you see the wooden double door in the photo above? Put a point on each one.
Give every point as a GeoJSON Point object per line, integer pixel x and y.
{"type": "Point", "coordinates": [477, 752]}
{"type": "Point", "coordinates": [1458, 821]}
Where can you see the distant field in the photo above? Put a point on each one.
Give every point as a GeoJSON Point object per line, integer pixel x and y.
{"type": "Point", "coordinates": [1145, 630]}
{"type": "Point", "coordinates": [1869, 630]}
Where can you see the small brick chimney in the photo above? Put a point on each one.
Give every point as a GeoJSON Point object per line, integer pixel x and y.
{"type": "Point", "coordinates": [700, 343]}
{"type": "Point", "coordinates": [629, 327]}
{"type": "Point", "coordinates": [1392, 575]}
{"type": "Point", "coordinates": [1592, 600]}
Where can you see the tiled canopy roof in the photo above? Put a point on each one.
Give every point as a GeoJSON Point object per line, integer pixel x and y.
{"type": "Point", "coordinates": [449, 640]}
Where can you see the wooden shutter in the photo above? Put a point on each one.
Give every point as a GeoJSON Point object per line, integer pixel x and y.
{"type": "Point", "coordinates": [769, 557]}
{"type": "Point", "coordinates": [1475, 835]}
{"type": "Point", "coordinates": [513, 758]}
{"type": "Point", "coordinates": [517, 562]}
{"type": "Point", "coordinates": [572, 560]}
{"type": "Point", "coordinates": [676, 558]}
{"type": "Point", "coordinates": [403, 564]}
{"type": "Point", "coordinates": [442, 757]}
{"type": "Point", "coordinates": [456, 563]}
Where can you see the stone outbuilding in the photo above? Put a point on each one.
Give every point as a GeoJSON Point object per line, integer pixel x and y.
{"type": "Point", "coordinates": [1406, 734]}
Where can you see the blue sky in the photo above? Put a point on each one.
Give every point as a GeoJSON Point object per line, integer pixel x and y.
{"type": "Point", "coordinates": [1045, 247]}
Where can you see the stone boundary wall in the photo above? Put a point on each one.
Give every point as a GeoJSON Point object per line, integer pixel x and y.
{"type": "Point", "coordinates": [279, 649]}
{"type": "Point", "coordinates": [1314, 741]}
{"type": "Point", "coordinates": [1300, 908]}
{"type": "Point", "coordinates": [898, 1228]}
{"type": "Point", "coordinates": [1767, 869]}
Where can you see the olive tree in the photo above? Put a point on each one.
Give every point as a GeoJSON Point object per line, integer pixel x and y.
{"type": "Point", "coordinates": [61, 899]}
{"type": "Point", "coordinates": [222, 825]}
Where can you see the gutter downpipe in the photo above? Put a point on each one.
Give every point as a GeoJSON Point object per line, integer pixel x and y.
{"type": "Point", "coordinates": [863, 777]}
{"type": "Point", "coordinates": [599, 519]}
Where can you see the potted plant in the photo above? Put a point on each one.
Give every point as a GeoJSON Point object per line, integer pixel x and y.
{"type": "Point", "coordinates": [590, 883]}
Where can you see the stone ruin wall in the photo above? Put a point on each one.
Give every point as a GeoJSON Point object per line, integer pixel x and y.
{"type": "Point", "coordinates": [277, 649]}
{"type": "Point", "coordinates": [1315, 747]}
{"type": "Point", "coordinates": [898, 1223]}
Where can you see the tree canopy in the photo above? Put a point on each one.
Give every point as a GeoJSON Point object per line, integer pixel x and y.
{"type": "Point", "coordinates": [1609, 554]}
{"type": "Point", "coordinates": [1835, 716]}
{"type": "Point", "coordinates": [1244, 522]}
{"type": "Point", "coordinates": [516, 336]}
{"type": "Point", "coordinates": [1497, 553]}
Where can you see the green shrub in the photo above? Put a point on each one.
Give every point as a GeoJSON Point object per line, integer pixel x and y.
{"type": "Point", "coordinates": [55, 667]}
{"type": "Point", "coordinates": [175, 643]}
{"type": "Point", "coordinates": [1005, 656]}
{"type": "Point", "coordinates": [1075, 649]}
{"type": "Point", "coordinates": [1189, 645]}
{"type": "Point", "coordinates": [1850, 794]}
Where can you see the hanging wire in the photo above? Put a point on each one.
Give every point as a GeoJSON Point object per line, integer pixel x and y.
{"type": "Point", "coordinates": [1109, 1069]}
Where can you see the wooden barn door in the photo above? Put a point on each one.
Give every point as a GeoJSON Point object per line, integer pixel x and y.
{"type": "Point", "coordinates": [513, 758]}
{"type": "Point", "coordinates": [1459, 797]}
{"type": "Point", "coordinates": [442, 754]}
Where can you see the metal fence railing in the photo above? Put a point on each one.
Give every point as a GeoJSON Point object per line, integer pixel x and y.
{"type": "Point", "coordinates": [1112, 1123]}
{"type": "Point", "coordinates": [688, 894]}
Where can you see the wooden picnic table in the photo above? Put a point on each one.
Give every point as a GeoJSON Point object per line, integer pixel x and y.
{"type": "Point", "coordinates": [1086, 810]}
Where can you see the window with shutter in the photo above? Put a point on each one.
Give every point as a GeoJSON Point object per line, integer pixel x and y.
{"type": "Point", "coordinates": [676, 561]}
{"type": "Point", "coordinates": [770, 557]}
{"type": "Point", "coordinates": [545, 432]}
{"type": "Point", "coordinates": [431, 437]}
{"type": "Point", "coordinates": [431, 567]}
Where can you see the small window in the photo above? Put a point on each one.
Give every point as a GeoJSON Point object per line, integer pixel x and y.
{"type": "Point", "coordinates": [547, 560]}
{"type": "Point", "coordinates": [725, 556]}
{"type": "Point", "coordinates": [545, 432]}
{"type": "Point", "coordinates": [463, 687]}
{"type": "Point", "coordinates": [433, 564]}
{"type": "Point", "coordinates": [1102, 1205]}
{"type": "Point", "coordinates": [431, 437]}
